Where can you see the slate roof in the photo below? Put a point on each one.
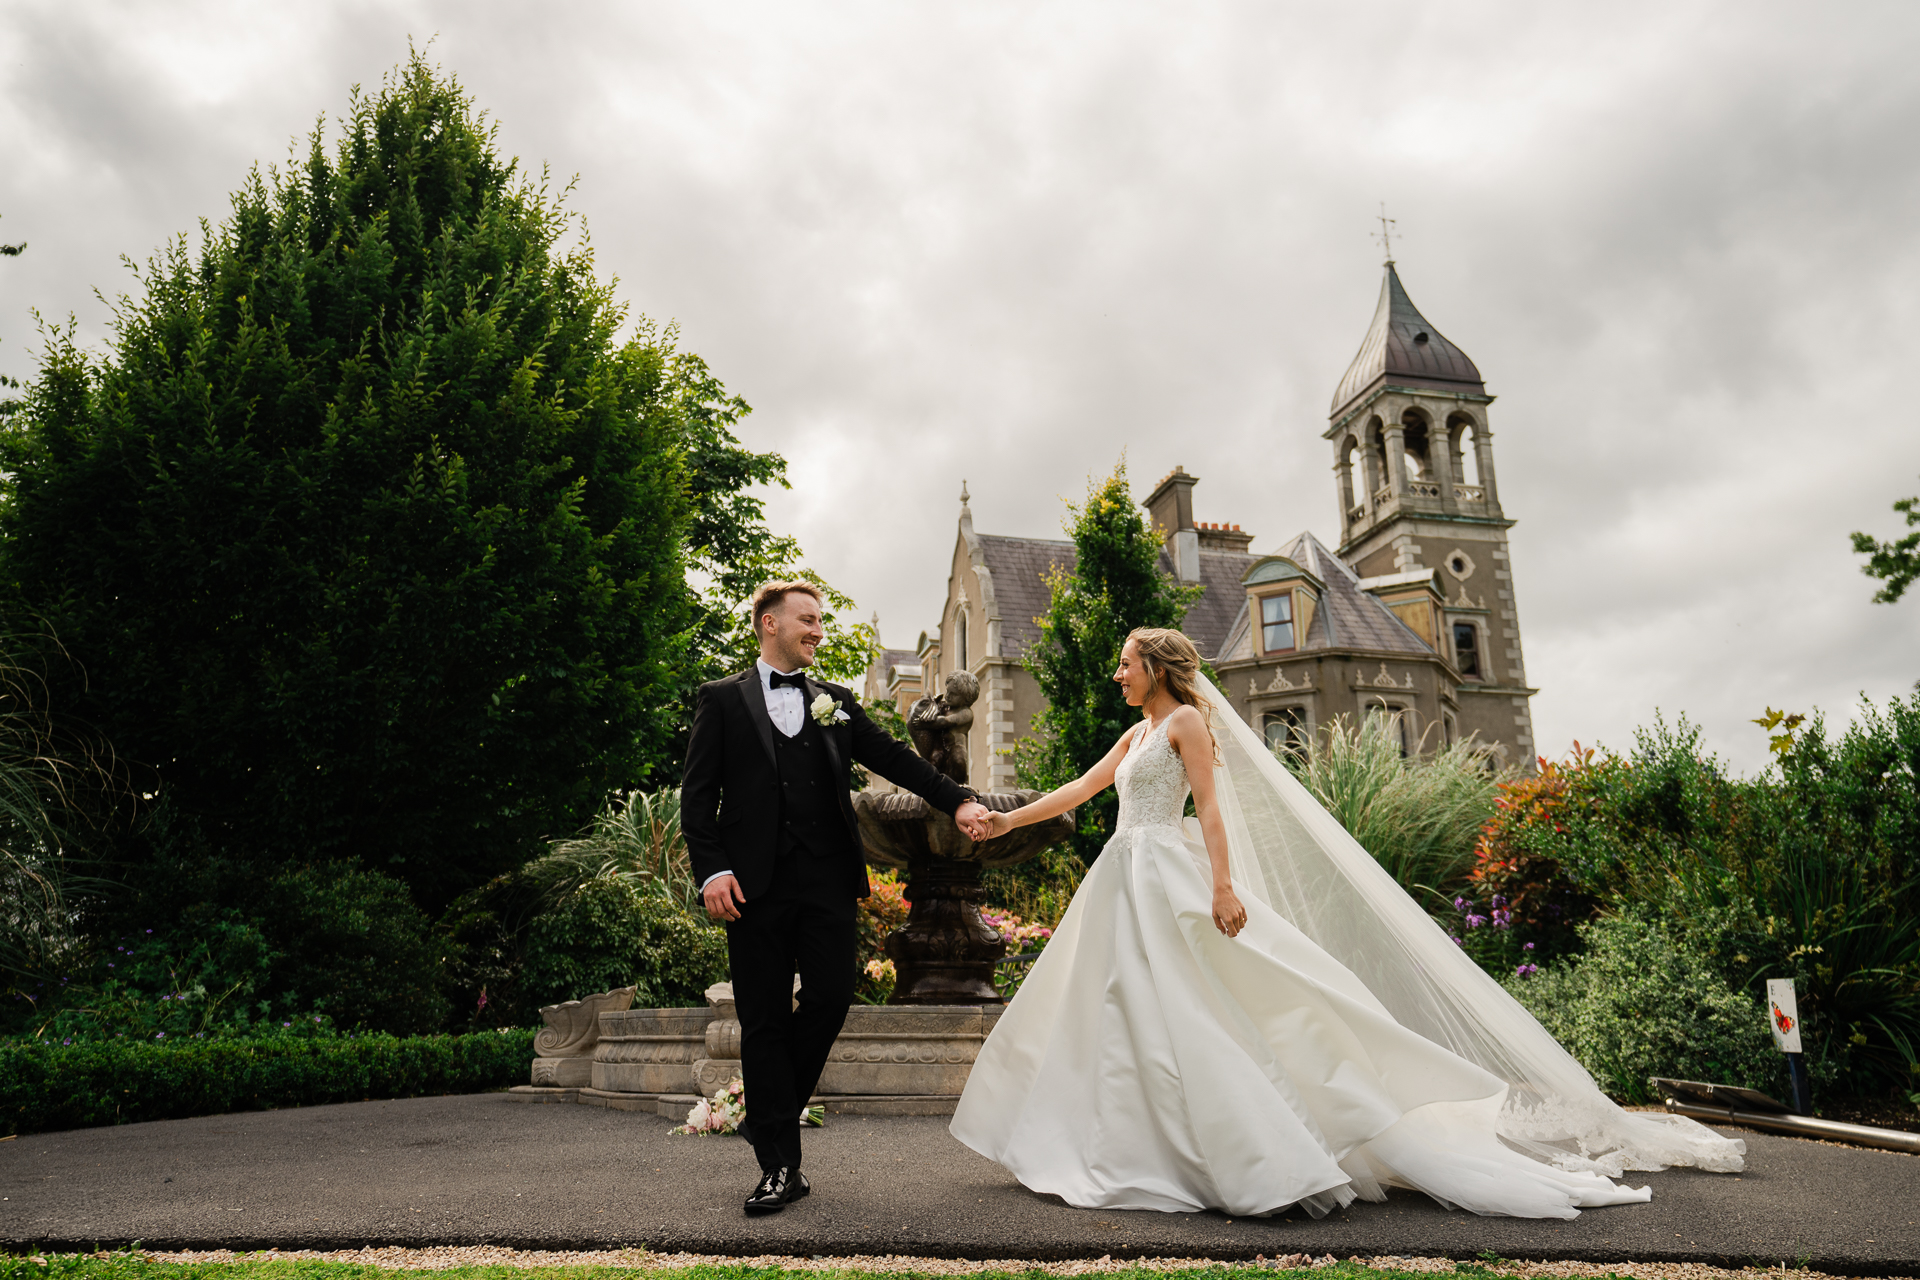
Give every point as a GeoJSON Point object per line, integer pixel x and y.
{"type": "Point", "coordinates": [892, 658]}
{"type": "Point", "coordinates": [1348, 617]}
{"type": "Point", "coordinates": [1402, 346]}
{"type": "Point", "coordinates": [1355, 619]}
{"type": "Point", "coordinates": [1020, 567]}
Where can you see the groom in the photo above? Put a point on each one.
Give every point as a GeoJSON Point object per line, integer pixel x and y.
{"type": "Point", "coordinates": [770, 827]}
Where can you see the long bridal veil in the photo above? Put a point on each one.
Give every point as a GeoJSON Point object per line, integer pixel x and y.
{"type": "Point", "coordinates": [1287, 850]}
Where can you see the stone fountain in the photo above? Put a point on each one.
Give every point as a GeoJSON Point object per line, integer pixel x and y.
{"type": "Point", "coordinates": [911, 1057]}
{"type": "Point", "coordinates": [945, 954]}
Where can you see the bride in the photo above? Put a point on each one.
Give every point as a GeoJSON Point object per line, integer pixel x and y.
{"type": "Point", "coordinates": [1253, 1015]}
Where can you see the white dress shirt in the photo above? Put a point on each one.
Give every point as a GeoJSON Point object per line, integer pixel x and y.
{"type": "Point", "coordinates": [786, 707]}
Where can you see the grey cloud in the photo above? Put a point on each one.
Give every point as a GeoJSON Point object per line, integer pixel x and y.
{"type": "Point", "coordinates": [1014, 241]}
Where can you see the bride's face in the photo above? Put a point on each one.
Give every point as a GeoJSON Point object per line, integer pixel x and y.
{"type": "Point", "coordinates": [1132, 676]}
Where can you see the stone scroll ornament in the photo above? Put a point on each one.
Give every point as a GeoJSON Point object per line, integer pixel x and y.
{"type": "Point", "coordinates": [945, 953]}
{"type": "Point", "coordinates": [564, 1048]}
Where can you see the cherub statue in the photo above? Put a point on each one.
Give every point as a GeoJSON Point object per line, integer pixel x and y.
{"type": "Point", "coordinates": [938, 725]}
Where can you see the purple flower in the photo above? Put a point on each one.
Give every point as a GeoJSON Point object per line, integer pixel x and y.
{"type": "Point", "coordinates": [1502, 919]}
{"type": "Point", "coordinates": [1526, 970]}
{"type": "Point", "coordinates": [1474, 922]}
{"type": "Point", "coordinates": [159, 1035]}
{"type": "Point", "coordinates": [1461, 904]}
{"type": "Point", "coordinates": [1526, 946]}
{"type": "Point", "coordinates": [1499, 901]}
{"type": "Point", "coordinates": [1458, 943]}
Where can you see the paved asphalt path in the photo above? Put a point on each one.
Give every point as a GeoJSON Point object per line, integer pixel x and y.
{"type": "Point", "coordinates": [485, 1169]}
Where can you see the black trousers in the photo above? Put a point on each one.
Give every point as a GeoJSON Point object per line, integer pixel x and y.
{"type": "Point", "coordinates": [803, 924]}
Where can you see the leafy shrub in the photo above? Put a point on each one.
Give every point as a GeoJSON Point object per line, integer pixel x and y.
{"type": "Point", "coordinates": [332, 940]}
{"type": "Point", "coordinates": [47, 1086]}
{"type": "Point", "coordinates": [1546, 878]}
{"type": "Point", "coordinates": [1038, 889]}
{"type": "Point", "coordinates": [1639, 1003]}
{"type": "Point", "coordinates": [1417, 815]}
{"type": "Point", "coordinates": [351, 944]}
{"type": "Point", "coordinates": [607, 934]}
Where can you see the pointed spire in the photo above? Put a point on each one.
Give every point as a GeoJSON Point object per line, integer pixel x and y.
{"type": "Point", "coordinates": [963, 493]}
{"type": "Point", "coordinates": [1402, 347]}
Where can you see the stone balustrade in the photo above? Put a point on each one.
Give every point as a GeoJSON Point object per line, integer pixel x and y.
{"type": "Point", "coordinates": [888, 1059]}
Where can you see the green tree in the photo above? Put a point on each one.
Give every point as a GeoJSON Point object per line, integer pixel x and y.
{"type": "Point", "coordinates": [1115, 586]}
{"type": "Point", "coordinates": [1895, 562]}
{"type": "Point", "coordinates": [367, 529]}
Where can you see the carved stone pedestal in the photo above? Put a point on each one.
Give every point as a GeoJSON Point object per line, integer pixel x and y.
{"type": "Point", "coordinates": [887, 1060]}
{"type": "Point", "coordinates": [564, 1048]}
{"type": "Point", "coordinates": [945, 953]}
{"type": "Point", "coordinates": [649, 1050]}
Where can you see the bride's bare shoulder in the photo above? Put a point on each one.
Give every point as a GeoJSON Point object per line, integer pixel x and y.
{"type": "Point", "coordinates": [1185, 723]}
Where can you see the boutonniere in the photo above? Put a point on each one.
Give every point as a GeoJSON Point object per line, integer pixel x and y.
{"type": "Point", "coordinates": [825, 711]}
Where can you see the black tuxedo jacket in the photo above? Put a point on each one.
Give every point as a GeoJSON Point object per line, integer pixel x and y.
{"type": "Point", "coordinates": [730, 794]}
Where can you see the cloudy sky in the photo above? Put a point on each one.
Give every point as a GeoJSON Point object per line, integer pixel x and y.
{"type": "Point", "coordinates": [1013, 242]}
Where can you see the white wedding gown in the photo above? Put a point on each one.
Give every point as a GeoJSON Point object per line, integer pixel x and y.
{"type": "Point", "coordinates": [1151, 1062]}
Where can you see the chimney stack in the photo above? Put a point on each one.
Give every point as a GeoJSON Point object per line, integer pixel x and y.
{"type": "Point", "coordinates": [1171, 506]}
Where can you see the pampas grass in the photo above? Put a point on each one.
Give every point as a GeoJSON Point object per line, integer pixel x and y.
{"type": "Point", "coordinates": [1418, 815]}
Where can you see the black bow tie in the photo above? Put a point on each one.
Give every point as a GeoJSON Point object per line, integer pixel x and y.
{"type": "Point", "coordinates": [797, 680]}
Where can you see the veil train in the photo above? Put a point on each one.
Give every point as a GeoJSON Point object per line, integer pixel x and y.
{"type": "Point", "coordinates": [1288, 851]}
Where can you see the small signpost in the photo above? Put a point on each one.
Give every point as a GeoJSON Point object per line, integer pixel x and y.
{"type": "Point", "coordinates": [1783, 1018]}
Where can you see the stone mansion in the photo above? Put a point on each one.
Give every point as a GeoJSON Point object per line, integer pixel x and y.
{"type": "Point", "coordinates": [1412, 613]}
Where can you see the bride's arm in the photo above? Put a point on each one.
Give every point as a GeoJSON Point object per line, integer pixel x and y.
{"type": "Point", "coordinates": [1187, 734]}
{"type": "Point", "coordinates": [1079, 791]}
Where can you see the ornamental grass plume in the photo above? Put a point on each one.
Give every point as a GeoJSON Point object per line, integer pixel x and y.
{"type": "Point", "coordinates": [1419, 815]}
{"type": "Point", "coordinates": [49, 790]}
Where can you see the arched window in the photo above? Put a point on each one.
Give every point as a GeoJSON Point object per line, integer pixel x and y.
{"type": "Point", "coordinates": [1416, 438]}
{"type": "Point", "coordinates": [960, 635]}
{"type": "Point", "coordinates": [1466, 459]}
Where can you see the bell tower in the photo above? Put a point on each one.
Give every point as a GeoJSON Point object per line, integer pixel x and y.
{"type": "Point", "coordinates": [1413, 468]}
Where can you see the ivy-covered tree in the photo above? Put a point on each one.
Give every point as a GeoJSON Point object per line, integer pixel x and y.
{"type": "Point", "coordinates": [1115, 586]}
{"type": "Point", "coordinates": [367, 529]}
{"type": "Point", "coordinates": [1896, 561]}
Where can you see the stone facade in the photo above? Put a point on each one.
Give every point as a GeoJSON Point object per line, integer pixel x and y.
{"type": "Point", "coordinates": [1413, 614]}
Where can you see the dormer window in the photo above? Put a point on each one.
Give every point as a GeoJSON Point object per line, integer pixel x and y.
{"type": "Point", "coordinates": [1276, 622]}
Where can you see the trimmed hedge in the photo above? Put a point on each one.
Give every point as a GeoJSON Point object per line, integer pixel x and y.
{"type": "Point", "coordinates": [53, 1086]}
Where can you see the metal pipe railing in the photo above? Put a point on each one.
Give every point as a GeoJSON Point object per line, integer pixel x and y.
{"type": "Point", "coordinates": [1802, 1126]}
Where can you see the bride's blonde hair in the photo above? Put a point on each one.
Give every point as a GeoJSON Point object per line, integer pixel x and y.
{"type": "Point", "coordinates": [1169, 658]}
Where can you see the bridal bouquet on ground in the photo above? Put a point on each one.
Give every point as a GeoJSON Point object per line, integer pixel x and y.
{"type": "Point", "coordinates": [727, 1108]}
{"type": "Point", "coordinates": [722, 1113]}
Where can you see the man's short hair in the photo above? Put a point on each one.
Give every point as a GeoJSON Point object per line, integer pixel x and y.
{"type": "Point", "coordinates": [770, 594]}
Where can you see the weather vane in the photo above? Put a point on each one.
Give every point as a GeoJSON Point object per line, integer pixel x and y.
{"type": "Point", "coordinates": [1385, 233]}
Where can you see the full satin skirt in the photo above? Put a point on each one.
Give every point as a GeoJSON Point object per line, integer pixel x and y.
{"type": "Point", "coordinates": [1151, 1062]}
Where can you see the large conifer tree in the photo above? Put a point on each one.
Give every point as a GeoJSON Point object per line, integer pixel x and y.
{"type": "Point", "coordinates": [367, 531]}
{"type": "Point", "coordinates": [1116, 585]}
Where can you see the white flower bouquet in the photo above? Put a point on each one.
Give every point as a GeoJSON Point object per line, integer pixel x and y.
{"type": "Point", "coordinates": [726, 1110]}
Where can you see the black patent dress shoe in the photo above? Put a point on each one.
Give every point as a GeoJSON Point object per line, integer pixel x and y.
{"type": "Point", "coordinates": [777, 1189]}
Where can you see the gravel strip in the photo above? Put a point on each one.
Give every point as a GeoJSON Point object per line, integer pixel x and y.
{"type": "Point", "coordinates": [441, 1259]}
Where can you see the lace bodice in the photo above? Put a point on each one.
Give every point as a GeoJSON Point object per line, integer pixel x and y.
{"type": "Point", "coordinates": [1152, 782]}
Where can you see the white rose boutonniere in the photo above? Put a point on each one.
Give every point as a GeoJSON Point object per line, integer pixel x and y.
{"type": "Point", "coordinates": [825, 711]}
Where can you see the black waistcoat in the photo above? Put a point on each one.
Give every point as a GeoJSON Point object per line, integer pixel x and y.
{"type": "Point", "coordinates": [809, 804]}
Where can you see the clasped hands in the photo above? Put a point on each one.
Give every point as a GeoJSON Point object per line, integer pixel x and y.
{"type": "Point", "coordinates": [974, 819]}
